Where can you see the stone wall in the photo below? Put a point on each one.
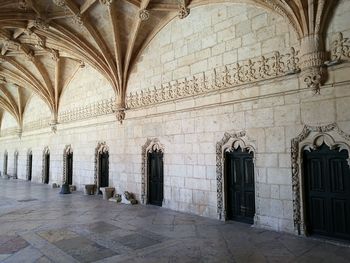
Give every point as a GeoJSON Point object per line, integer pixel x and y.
{"type": "Point", "coordinates": [271, 112]}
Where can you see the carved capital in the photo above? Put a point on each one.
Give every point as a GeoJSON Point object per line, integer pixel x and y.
{"type": "Point", "coordinates": [312, 61]}
{"type": "Point", "coordinates": [19, 132]}
{"type": "Point", "coordinates": [144, 15]}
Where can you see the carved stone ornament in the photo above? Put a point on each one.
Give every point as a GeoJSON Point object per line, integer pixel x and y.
{"type": "Point", "coordinates": [120, 115]}
{"type": "Point", "coordinates": [60, 3]}
{"type": "Point", "coordinates": [183, 11]}
{"type": "Point", "coordinates": [100, 148]}
{"type": "Point", "coordinates": [144, 15]}
{"type": "Point", "coordinates": [312, 61]}
{"type": "Point", "coordinates": [40, 24]}
{"type": "Point", "coordinates": [106, 2]}
{"type": "Point", "coordinates": [67, 150]}
{"type": "Point", "coordinates": [151, 145]}
{"type": "Point", "coordinates": [46, 151]}
{"type": "Point", "coordinates": [311, 137]}
{"type": "Point", "coordinates": [340, 47]}
{"type": "Point", "coordinates": [78, 20]}
{"type": "Point", "coordinates": [19, 132]}
{"type": "Point", "coordinates": [230, 142]}
{"type": "Point", "coordinates": [22, 4]}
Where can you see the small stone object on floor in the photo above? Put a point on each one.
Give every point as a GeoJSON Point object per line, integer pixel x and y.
{"type": "Point", "coordinates": [54, 185]}
{"type": "Point", "coordinates": [72, 188]}
{"type": "Point", "coordinates": [116, 198]}
{"type": "Point", "coordinates": [128, 198]}
{"type": "Point", "coordinates": [89, 189]}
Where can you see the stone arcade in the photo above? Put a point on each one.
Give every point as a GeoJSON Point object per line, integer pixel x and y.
{"type": "Point", "coordinates": [231, 110]}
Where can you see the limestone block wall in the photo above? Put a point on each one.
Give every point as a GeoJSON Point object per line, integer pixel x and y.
{"type": "Point", "coordinates": [8, 121]}
{"type": "Point", "coordinates": [35, 110]}
{"type": "Point", "coordinates": [271, 112]}
{"type": "Point", "coordinates": [212, 36]}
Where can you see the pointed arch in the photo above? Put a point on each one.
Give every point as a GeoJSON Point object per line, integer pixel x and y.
{"type": "Point", "coordinates": [230, 142]}
{"type": "Point", "coordinates": [15, 164]}
{"type": "Point", "coordinates": [46, 152]}
{"type": "Point", "coordinates": [67, 150]}
{"type": "Point", "coordinates": [100, 148]}
{"type": "Point", "coordinates": [151, 145]}
{"type": "Point", "coordinates": [311, 138]}
{"type": "Point", "coordinates": [5, 163]}
{"type": "Point", "coordinates": [29, 165]}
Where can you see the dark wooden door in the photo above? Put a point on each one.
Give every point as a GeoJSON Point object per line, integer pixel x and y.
{"type": "Point", "coordinates": [70, 168]}
{"type": "Point", "coordinates": [327, 192]}
{"type": "Point", "coordinates": [103, 162]}
{"type": "Point", "coordinates": [240, 190]}
{"type": "Point", "coordinates": [47, 169]}
{"type": "Point", "coordinates": [30, 168]}
{"type": "Point", "coordinates": [155, 178]}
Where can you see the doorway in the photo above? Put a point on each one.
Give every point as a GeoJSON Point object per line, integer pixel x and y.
{"type": "Point", "coordinates": [103, 169]}
{"type": "Point", "coordinates": [46, 168]}
{"type": "Point", "coordinates": [70, 168]}
{"type": "Point", "coordinates": [155, 178]}
{"type": "Point", "coordinates": [240, 186]}
{"type": "Point", "coordinates": [30, 166]}
{"type": "Point", "coordinates": [327, 192]}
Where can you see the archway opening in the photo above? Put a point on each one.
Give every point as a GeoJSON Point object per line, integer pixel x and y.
{"type": "Point", "coordinates": [15, 165]}
{"type": "Point", "coordinates": [30, 166]}
{"type": "Point", "coordinates": [103, 160]}
{"type": "Point", "coordinates": [5, 163]}
{"type": "Point", "coordinates": [46, 168]}
{"type": "Point", "coordinates": [70, 168]}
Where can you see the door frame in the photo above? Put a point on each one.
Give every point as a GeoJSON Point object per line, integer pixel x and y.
{"type": "Point", "coordinates": [150, 146]}
{"type": "Point", "coordinates": [311, 137]}
{"type": "Point", "coordinates": [5, 166]}
{"type": "Point", "coordinates": [46, 151]}
{"type": "Point", "coordinates": [29, 152]}
{"type": "Point", "coordinates": [230, 142]}
{"type": "Point", "coordinates": [15, 164]}
{"type": "Point", "coordinates": [67, 150]}
{"type": "Point", "coordinates": [100, 148]}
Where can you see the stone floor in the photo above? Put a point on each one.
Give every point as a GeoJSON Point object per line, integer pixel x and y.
{"type": "Point", "coordinates": [39, 225]}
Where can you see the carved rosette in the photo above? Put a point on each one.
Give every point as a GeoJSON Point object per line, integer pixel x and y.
{"type": "Point", "coordinates": [151, 145]}
{"type": "Point", "coordinates": [144, 15]}
{"type": "Point", "coordinates": [312, 61]}
{"type": "Point", "coordinates": [311, 137]}
{"type": "Point", "coordinates": [41, 24]}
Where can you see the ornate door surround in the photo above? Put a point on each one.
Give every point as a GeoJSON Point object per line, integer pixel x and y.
{"type": "Point", "coordinates": [311, 137]}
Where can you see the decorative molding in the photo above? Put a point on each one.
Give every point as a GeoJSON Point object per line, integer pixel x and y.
{"type": "Point", "coordinates": [184, 11]}
{"type": "Point", "coordinates": [311, 137]}
{"type": "Point", "coordinates": [106, 2]}
{"type": "Point", "coordinates": [230, 142]}
{"type": "Point", "coordinates": [67, 150]}
{"type": "Point", "coordinates": [46, 151]}
{"type": "Point", "coordinates": [151, 145]}
{"type": "Point", "coordinates": [228, 76]}
{"type": "Point", "coordinates": [100, 148]}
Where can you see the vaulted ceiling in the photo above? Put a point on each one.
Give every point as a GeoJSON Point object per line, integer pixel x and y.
{"type": "Point", "coordinates": [43, 43]}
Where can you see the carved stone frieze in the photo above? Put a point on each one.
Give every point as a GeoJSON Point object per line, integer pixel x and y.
{"type": "Point", "coordinates": [229, 142]}
{"type": "Point", "coordinates": [228, 76]}
{"type": "Point", "coordinates": [151, 145]}
{"type": "Point", "coordinates": [311, 137]}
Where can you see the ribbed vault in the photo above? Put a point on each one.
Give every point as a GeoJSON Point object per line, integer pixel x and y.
{"type": "Point", "coordinates": [43, 43]}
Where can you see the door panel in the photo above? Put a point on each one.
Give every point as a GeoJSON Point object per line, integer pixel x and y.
{"type": "Point", "coordinates": [239, 180]}
{"type": "Point", "coordinates": [104, 169]}
{"type": "Point", "coordinates": [327, 192]}
{"type": "Point", "coordinates": [70, 168]}
{"type": "Point", "coordinates": [155, 178]}
{"type": "Point", "coordinates": [30, 167]}
{"type": "Point", "coordinates": [47, 169]}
